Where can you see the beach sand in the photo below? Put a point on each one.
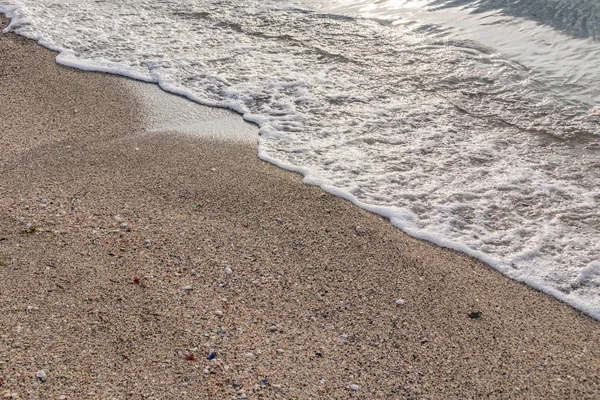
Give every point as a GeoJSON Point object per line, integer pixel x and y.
{"type": "Point", "coordinates": [293, 288]}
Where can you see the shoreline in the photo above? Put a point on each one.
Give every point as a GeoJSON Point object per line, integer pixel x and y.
{"type": "Point", "coordinates": [294, 288]}
{"type": "Point", "coordinates": [502, 263]}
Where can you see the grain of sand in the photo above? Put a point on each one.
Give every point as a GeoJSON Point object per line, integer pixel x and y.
{"type": "Point", "coordinates": [293, 288]}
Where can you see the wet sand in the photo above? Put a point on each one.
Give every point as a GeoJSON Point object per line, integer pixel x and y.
{"type": "Point", "coordinates": [294, 289]}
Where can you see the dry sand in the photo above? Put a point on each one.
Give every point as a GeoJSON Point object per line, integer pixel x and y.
{"type": "Point", "coordinates": [307, 310]}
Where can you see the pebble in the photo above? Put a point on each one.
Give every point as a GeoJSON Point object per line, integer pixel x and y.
{"type": "Point", "coordinates": [147, 242]}
{"type": "Point", "coordinates": [32, 308]}
{"type": "Point", "coordinates": [41, 375]}
{"type": "Point", "coordinates": [399, 302]}
{"type": "Point", "coordinates": [44, 201]}
{"type": "Point", "coordinates": [219, 313]}
{"type": "Point", "coordinates": [194, 273]}
{"type": "Point", "coordinates": [63, 397]}
{"type": "Point", "coordinates": [249, 355]}
{"type": "Point", "coordinates": [187, 288]}
{"type": "Point", "coordinates": [354, 387]}
{"type": "Point", "coordinates": [280, 351]}
{"type": "Point", "coordinates": [117, 218]}
{"type": "Point", "coordinates": [228, 271]}
{"type": "Point", "coordinates": [211, 354]}
{"type": "Point", "coordinates": [206, 371]}
{"type": "Point", "coordinates": [273, 328]}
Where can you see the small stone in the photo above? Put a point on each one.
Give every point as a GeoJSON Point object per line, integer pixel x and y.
{"type": "Point", "coordinates": [44, 201]}
{"type": "Point", "coordinates": [41, 375]}
{"type": "Point", "coordinates": [249, 355]}
{"type": "Point", "coordinates": [399, 302]}
{"type": "Point", "coordinates": [228, 271]}
{"type": "Point", "coordinates": [194, 273]}
{"type": "Point", "coordinates": [354, 387]}
{"type": "Point", "coordinates": [211, 354]}
{"type": "Point", "coordinates": [147, 242]}
{"type": "Point", "coordinates": [474, 314]}
{"type": "Point", "coordinates": [219, 313]}
{"type": "Point", "coordinates": [63, 397]}
{"type": "Point", "coordinates": [117, 218]}
{"type": "Point", "coordinates": [273, 328]}
{"type": "Point", "coordinates": [124, 225]}
{"type": "Point", "coordinates": [206, 371]}
{"type": "Point", "coordinates": [280, 351]}
{"type": "Point", "coordinates": [187, 288]}
{"type": "Point", "coordinates": [360, 230]}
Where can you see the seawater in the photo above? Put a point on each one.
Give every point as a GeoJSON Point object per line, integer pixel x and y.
{"type": "Point", "coordinates": [472, 124]}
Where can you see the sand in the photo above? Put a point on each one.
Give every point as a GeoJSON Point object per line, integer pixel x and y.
{"type": "Point", "coordinates": [294, 289]}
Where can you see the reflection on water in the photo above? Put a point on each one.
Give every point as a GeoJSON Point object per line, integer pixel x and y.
{"type": "Point", "coordinates": [555, 39]}
{"type": "Point", "coordinates": [578, 18]}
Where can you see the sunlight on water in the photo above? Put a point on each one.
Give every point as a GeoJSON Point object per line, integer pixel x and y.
{"type": "Point", "coordinates": [565, 63]}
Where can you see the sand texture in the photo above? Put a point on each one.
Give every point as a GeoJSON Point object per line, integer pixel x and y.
{"type": "Point", "coordinates": [295, 290]}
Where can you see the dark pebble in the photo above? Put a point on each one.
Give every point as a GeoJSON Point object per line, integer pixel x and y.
{"type": "Point", "coordinates": [211, 354]}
